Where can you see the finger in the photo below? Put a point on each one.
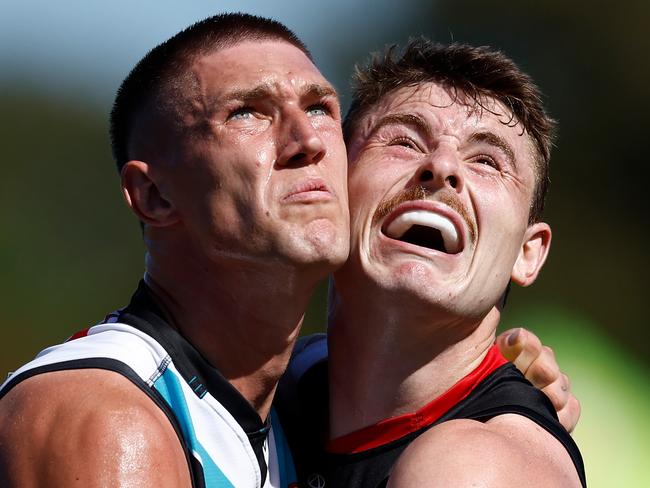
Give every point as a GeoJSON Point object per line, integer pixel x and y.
{"type": "Point", "coordinates": [570, 414]}
{"type": "Point", "coordinates": [520, 346]}
{"type": "Point", "coordinates": [558, 392]}
{"type": "Point", "coordinates": [509, 352]}
{"type": "Point", "coordinates": [544, 369]}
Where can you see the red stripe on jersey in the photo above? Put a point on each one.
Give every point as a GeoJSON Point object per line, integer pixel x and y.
{"type": "Point", "coordinates": [77, 335]}
{"type": "Point", "coordinates": [394, 428]}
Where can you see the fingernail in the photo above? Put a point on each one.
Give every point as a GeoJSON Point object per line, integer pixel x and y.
{"type": "Point", "coordinates": [514, 335]}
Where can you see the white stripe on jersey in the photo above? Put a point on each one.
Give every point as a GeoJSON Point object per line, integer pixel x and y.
{"type": "Point", "coordinates": [212, 434]}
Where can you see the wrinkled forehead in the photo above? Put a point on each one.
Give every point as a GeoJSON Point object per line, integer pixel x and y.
{"type": "Point", "coordinates": [245, 72]}
{"type": "Point", "coordinates": [442, 104]}
{"type": "Point", "coordinates": [445, 110]}
{"type": "Point", "coordinates": [250, 64]}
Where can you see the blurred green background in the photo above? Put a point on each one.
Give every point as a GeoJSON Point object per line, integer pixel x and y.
{"type": "Point", "coordinates": [70, 251]}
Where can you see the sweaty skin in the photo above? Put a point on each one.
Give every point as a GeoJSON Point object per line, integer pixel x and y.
{"type": "Point", "coordinates": [115, 436]}
{"type": "Point", "coordinates": [243, 215]}
{"type": "Point", "coordinates": [254, 210]}
{"type": "Point", "coordinates": [241, 223]}
{"type": "Point", "coordinates": [56, 431]}
{"type": "Point", "coordinates": [421, 318]}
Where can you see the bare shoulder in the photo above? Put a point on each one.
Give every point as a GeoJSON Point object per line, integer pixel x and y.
{"type": "Point", "coordinates": [86, 428]}
{"type": "Point", "coordinates": [509, 450]}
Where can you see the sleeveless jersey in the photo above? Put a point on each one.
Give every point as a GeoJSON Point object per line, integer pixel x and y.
{"type": "Point", "coordinates": [364, 458]}
{"type": "Point", "coordinates": [226, 443]}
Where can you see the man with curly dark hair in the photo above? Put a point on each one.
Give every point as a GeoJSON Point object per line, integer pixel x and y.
{"type": "Point", "coordinates": [448, 149]}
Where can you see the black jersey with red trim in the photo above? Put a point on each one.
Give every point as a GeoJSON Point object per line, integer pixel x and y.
{"type": "Point", "coordinates": [364, 459]}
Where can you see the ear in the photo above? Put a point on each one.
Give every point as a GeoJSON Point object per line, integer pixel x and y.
{"type": "Point", "coordinates": [532, 255]}
{"type": "Point", "coordinates": [143, 195]}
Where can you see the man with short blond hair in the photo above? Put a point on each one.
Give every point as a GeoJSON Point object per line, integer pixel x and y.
{"type": "Point", "coordinates": [228, 142]}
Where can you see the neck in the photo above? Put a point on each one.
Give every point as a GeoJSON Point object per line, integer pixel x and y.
{"type": "Point", "coordinates": [244, 320]}
{"type": "Point", "coordinates": [417, 358]}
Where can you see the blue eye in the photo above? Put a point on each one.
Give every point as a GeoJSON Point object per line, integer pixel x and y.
{"type": "Point", "coordinates": [241, 113]}
{"type": "Point", "coordinates": [317, 110]}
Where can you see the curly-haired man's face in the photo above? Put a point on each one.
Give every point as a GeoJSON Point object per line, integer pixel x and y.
{"type": "Point", "coordinates": [440, 194]}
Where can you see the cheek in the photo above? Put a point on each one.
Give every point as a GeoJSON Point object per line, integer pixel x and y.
{"type": "Point", "coordinates": [361, 193]}
{"type": "Point", "coordinates": [370, 175]}
{"type": "Point", "coordinates": [337, 168]}
{"type": "Point", "coordinates": [499, 205]}
{"type": "Point", "coordinates": [363, 204]}
{"type": "Point", "coordinates": [501, 229]}
{"type": "Point", "coordinates": [246, 167]}
{"type": "Point", "coordinates": [264, 155]}
{"type": "Point", "coordinates": [256, 143]}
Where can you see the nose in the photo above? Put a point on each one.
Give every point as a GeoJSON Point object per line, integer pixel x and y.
{"type": "Point", "coordinates": [300, 142]}
{"type": "Point", "coordinates": [440, 169]}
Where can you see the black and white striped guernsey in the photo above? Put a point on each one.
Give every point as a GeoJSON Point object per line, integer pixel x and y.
{"type": "Point", "coordinates": [226, 443]}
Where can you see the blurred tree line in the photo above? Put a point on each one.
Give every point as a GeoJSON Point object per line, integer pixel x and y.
{"type": "Point", "coordinates": [70, 251]}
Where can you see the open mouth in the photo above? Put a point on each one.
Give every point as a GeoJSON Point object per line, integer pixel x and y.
{"type": "Point", "coordinates": [425, 229]}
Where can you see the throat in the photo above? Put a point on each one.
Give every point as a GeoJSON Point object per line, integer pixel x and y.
{"type": "Point", "coordinates": [423, 236]}
{"type": "Point", "coordinates": [258, 390]}
{"type": "Point", "coordinates": [412, 373]}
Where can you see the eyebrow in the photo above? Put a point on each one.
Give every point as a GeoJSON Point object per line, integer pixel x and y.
{"type": "Point", "coordinates": [318, 91]}
{"type": "Point", "coordinates": [249, 94]}
{"type": "Point", "coordinates": [313, 90]}
{"type": "Point", "coordinates": [497, 141]}
{"type": "Point", "coordinates": [402, 119]}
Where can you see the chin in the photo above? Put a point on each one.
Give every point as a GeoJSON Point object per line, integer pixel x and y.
{"type": "Point", "coordinates": [330, 240]}
{"type": "Point", "coordinates": [420, 277]}
{"type": "Point", "coordinates": [440, 301]}
{"type": "Point", "coordinates": [326, 248]}
{"type": "Point", "coordinates": [332, 252]}
{"type": "Point", "coordinates": [420, 285]}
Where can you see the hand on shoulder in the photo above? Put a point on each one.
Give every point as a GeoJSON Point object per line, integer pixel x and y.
{"type": "Point", "coordinates": [86, 428]}
{"type": "Point", "coordinates": [539, 364]}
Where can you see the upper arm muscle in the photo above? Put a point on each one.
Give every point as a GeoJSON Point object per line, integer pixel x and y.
{"type": "Point", "coordinates": [56, 431]}
{"type": "Point", "coordinates": [511, 451]}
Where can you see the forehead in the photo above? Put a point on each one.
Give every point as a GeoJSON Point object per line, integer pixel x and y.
{"type": "Point", "coordinates": [449, 112]}
{"type": "Point", "coordinates": [252, 63]}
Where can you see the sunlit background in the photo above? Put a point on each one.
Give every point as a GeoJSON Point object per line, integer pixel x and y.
{"type": "Point", "coordinates": [70, 251]}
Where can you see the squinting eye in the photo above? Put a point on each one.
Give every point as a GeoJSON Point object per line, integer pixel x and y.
{"type": "Point", "coordinates": [317, 110]}
{"type": "Point", "coordinates": [241, 113]}
{"type": "Point", "coordinates": [487, 161]}
{"type": "Point", "coordinates": [404, 142]}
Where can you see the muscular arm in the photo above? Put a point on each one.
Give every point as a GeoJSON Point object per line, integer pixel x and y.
{"type": "Point", "coordinates": [508, 451]}
{"type": "Point", "coordinates": [86, 428]}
